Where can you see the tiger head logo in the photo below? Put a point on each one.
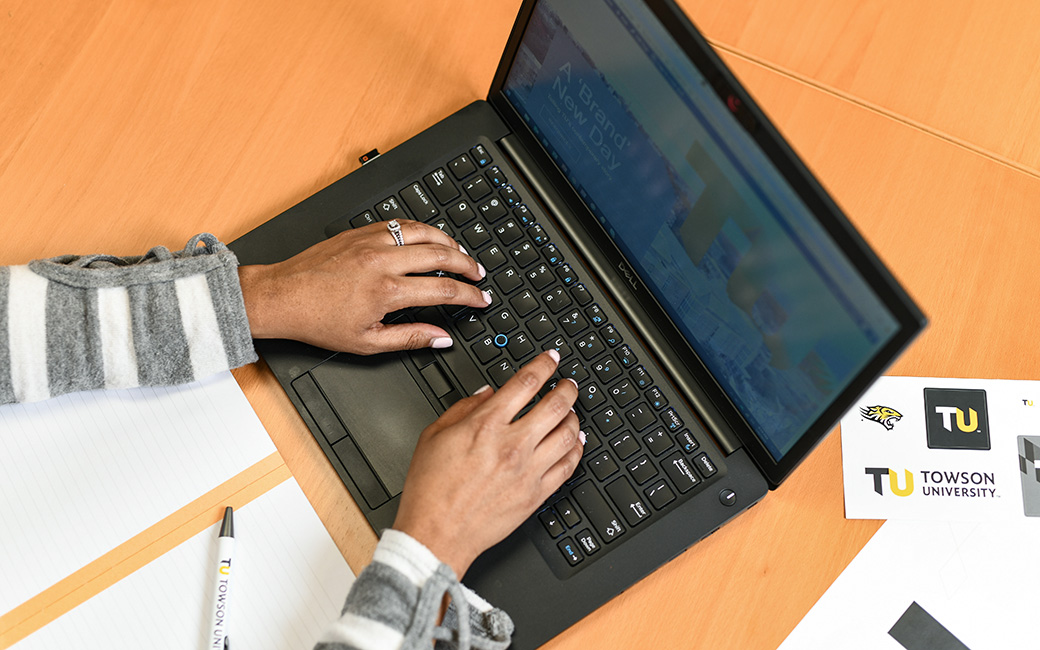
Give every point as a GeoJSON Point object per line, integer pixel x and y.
{"type": "Point", "coordinates": [883, 415]}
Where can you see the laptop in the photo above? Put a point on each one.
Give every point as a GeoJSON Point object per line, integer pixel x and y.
{"type": "Point", "coordinates": [636, 210]}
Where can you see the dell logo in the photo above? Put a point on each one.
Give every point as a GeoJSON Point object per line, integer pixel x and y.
{"type": "Point", "coordinates": [628, 275]}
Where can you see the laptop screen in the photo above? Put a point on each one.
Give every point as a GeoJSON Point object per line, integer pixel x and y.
{"type": "Point", "coordinates": [763, 295]}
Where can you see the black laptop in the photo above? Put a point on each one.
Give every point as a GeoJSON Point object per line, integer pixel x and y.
{"type": "Point", "coordinates": [637, 211]}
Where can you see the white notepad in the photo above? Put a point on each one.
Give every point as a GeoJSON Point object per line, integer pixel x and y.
{"type": "Point", "coordinates": [80, 474]}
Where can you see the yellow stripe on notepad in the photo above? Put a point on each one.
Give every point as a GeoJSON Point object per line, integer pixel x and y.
{"type": "Point", "coordinates": [141, 549]}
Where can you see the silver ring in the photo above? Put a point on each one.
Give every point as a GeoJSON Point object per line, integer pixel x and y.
{"type": "Point", "coordinates": [395, 230]}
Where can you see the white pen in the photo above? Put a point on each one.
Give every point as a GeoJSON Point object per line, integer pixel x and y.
{"type": "Point", "coordinates": [222, 583]}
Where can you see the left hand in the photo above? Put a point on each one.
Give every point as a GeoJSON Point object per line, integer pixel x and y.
{"type": "Point", "coordinates": [336, 293]}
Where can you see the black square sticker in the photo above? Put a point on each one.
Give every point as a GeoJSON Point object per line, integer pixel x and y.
{"type": "Point", "coordinates": [956, 418]}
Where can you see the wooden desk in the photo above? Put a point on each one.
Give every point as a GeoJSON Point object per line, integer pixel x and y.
{"type": "Point", "coordinates": [125, 124]}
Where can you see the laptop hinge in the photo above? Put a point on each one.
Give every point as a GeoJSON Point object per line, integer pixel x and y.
{"type": "Point", "coordinates": [547, 196]}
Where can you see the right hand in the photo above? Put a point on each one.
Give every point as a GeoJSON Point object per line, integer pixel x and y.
{"type": "Point", "coordinates": [476, 475]}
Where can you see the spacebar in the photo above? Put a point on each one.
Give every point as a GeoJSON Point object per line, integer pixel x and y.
{"type": "Point", "coordinates": [598, 512]}
{"type": "Point", "coordinates": [467, 372]}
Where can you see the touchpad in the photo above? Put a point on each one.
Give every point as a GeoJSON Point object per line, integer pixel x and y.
{"type": "Point", "coordinates": [381, 406]}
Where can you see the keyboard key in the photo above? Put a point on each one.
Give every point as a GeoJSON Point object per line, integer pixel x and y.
{"type": "Point", "coordinates": [591, 397]}
{"type": "Point", "coordinates": [601, 465]}
{"type": "Point", "coordinates": [658, 441]}
{"type": "Point", "coordinates": [480, 155]}
{"type": "Point", "coordinates": [552, 255]}
{"type": "Point", "coordinates": [495, 300]}
{"type": "Point", "coordinates": [624, 393]}
{"type": "Point", "coordinates": [656, 397]}
{"type": "Point", "coordinates": [581, 295]}
{"type": "Point", "coordinates": [442, 224]}
{"type": "Point", "coordinates": [524, 254]}
{"type": "Point", "coordinates": [523, 215]}
{"type": "Point", "coordinates": [389, 208]}
{"type": "Point", "coordinates": [596, 315]}
{"type": "Point", "coordinates": [551, 522]}
{"type": "Point", "coordinates": [363, 219]}
{"type": "Point", "coordinates": [520, 346]}
{"type": "Point", "coordinates": [574, 370]}
{"type": "Point", "coordinates": [477, 188]}
{"type": "Point", "coordinates": [462, 167]}
{"type": "Point", "coordinates": [421, 205]}
{"type": "Point", "coordinates": [540, 277]}
{"type": "Point", "coordinates": [640, 417]}
{"type": "Point", "coordinates": [566, 274]}
{"type": "Point", "coordinates": [607, 421]}
{"type": "Point", "coordinates": [590, 346]}
{"type": "Point", "coordinates": [570, 551]}
{"type": "Point", "coordinates": [642, 469]}
{"type": "Point", "coordinates": [573, 323]}
{"type": "Point", "coordinates": [677, 469]}
{"type": "Point", "coordinates": [503, 322]}
{"type": "Point", "coordinates": [460, 213]}
{"type": "Point", "coordinates": [627, 501]}
{"type": "Point", "coordinates": [557, 300]}
{"type": "Point", "coordinates": [624, 445]}
{"type": "Point", "coordinates": [441, 186]}
{"type": "Point", "coordinates": [509, 231]}
{"type": "Point", "coordinates": [470, 326]}
{"type": "Point", "coordinates": [509, 196]}
{"type": "Point", "coordinates": [476, 236]}
{"type": "Point", "coordinates": [501, 372]}
{"type": "Point", "coordinates": [524, 302]}
{"type": "Point", "coordinates": [492, 258]}
{"type": "Point", "coordinates": [587, 542]}
{"type": "Point", "coordinates": [642, 379]}
{"type": "Point", "coordinates": [672, 420]}
{"type": "Point", "coordinates": [560, 345]}
{"type": "Point", "coordinates": [496, 177]}
{"type": "Point", "coordinates": [686, 441]}
{"type": "Point", "coordinates": [606, 370]}
{"type": "Point", "coordinates": [485, 349]}
{"type": "Point", "coordinates": [540, 326]}
{"type": "Point", "coordinates": [567, 513]}
{"type": "Point", "coordinates": [659, 494]}
{"type": "Point", "coordinates": [626, 357]}
{"type": "Point", "coordinates": [509, 280]}
{"type": "Point", "coordinates": [610, 336]}
{"type": "Point", "coordinates": [704, 465]}
{"type": "Point", "coordinates": [492, 210]}
{"type": "Point", "coordinates": [537, 235]}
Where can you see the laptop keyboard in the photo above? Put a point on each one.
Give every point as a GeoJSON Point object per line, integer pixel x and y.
{"type": "Point", "coordinates": [644, 453]}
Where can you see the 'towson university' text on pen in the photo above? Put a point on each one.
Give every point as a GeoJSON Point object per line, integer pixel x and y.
{"type": "Point", "coordinates": [218, 638]}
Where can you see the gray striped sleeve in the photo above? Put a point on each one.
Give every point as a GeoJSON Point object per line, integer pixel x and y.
{"type": "Point", "coordinates": [163, 357]}
{"type": "Point", "coordinates": [73, 340]}
{"type": "Point", "coordinates": [6, 387]}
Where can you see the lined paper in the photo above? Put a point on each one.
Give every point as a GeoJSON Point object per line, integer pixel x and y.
{"type": "Point", "coordinates": [82, 473]}
{"type": "Point", "coordinates": [289, 583]}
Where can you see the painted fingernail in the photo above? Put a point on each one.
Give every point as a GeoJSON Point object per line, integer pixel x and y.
{"type": "Point", "coordinates": [555, 354]}
{"type": "Point", "coordinates": [481, 270]}
{"type": "Point", "coordinates": [462, 250]}
{"type": "Point", "coordinates": [441, 342]}
{"type": "Point", "coordinates": [481, 389]}
{"type": "Point", "coordinates": [581, 437]}
{"type": "Point", "coordinates": [572, 381]}
{"type": "Point", "coordinates": [487, 297]}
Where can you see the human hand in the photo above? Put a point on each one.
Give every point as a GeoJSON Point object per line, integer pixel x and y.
{"type": "Point", "coordinates": [336, 293]}
{"type": "Point", "coordinates": [476, 475]}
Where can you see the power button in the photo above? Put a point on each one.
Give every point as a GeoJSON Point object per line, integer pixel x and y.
{"type": "Point", "coordinates": [727, 497]}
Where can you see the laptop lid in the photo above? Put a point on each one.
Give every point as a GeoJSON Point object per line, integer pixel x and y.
{"type": "Point", "coordinates": [748, 281]}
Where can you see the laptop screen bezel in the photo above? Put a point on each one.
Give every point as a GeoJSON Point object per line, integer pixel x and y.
{"type": "Point", "coordinates": [909, 318]}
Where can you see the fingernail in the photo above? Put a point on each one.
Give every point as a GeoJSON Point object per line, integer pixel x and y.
{"type": "Point", "coordinates": [572, 381]}
{"type": "Point", "coordinates": [481, 271]}
{"type": "Point", "coordinates": [462, 250]}
{"type": "Point", "coordinates": [581, 437]}
{"type": "Point", "coordinates": [441, 342]}
{"type": "Point", "coordinates": [482, 389]}
{"type": "Point", "coordinates": [487, 297]}
{"type": "Point", "coordinates": [555, 354]}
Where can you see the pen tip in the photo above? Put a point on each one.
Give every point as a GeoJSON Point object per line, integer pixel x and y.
{"type": "Point", "coordinates": [227, 527]}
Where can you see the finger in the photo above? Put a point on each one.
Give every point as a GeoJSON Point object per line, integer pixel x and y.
{"type": "Point", "coordinates": [550, 411]}
{"type": "Point", "coordinates": [416, 291]}
{"type": "Point", "coordinates": [522, 386]}
{"type": "Point", "coordinates": [557, 441]}
{"type": "Point", "coordinates": [561, 471]}
{"type": "Point", "coordinates": [462, 408]}
{"type": "Point", "coordinates": [422, 258]}
{"type": "Point", "coordinates": [404, 336]}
